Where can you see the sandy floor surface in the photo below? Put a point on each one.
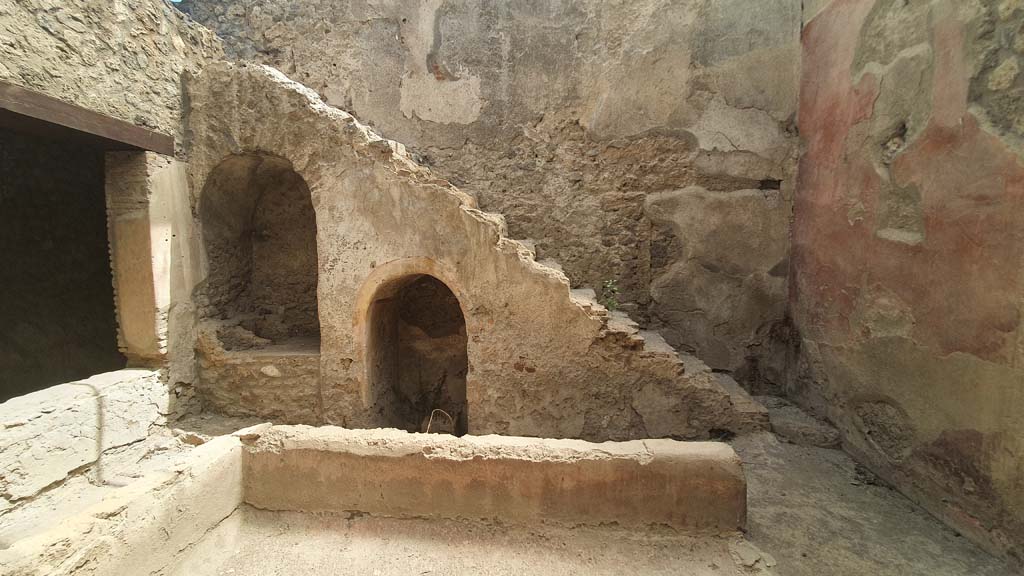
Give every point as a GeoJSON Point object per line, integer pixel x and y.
{"type": "Point", "coordinates": [255, 542]}
{"type": "Point", "coordinates": [820, 514]}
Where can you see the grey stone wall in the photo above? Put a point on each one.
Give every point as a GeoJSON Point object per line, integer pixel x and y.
{"type": "Point", "coordinates": [601, 130]}
{"type": "Point", "coordinates": [123, 58]}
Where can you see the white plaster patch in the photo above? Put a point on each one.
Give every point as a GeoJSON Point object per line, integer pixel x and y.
{"type": "Point", "coordinates": [722, 127]}
{"type": "Point", "coordinates": [425, 96]}
{"type": "Point", "coordinates": [445, 102]}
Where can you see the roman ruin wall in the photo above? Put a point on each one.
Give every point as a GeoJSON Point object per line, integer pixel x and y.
{"type": "Point", "coordinates": [88, 242]}
{"type": "Point", "coordinates": [821, 198]}
{"type": "Point", "coordinates": [650, 145]}
{"type": "Point", "coordinates": [123, 59]}
{"type": "Point", "coordinates": [908, 243]}
{"type": "Point", "coordinates": [516, 349]}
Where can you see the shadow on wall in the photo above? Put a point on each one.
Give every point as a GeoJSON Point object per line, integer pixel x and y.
{"type": "Point", "coordinates": [97, 464]}
{"type": "Point", "coordinates": [416, 356]}
{"type": "Point", "coordinates": [259, 231]}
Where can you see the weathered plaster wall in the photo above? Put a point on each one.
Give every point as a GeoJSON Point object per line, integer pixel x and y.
{"type": "Point", "coordinates": [57, 308]}
{"type": "Point", "coordinates": [909, 249]}
{"type": "Point", "coordinates": [118, 57]}
{"type": "Point", "coordinates": [49, 435]}
{"type": "Point", "coordinates": [600, 129]}
{"type": "Point", "coordinates": [541, 360]}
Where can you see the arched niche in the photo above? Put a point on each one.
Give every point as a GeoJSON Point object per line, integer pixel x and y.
{"type": "Point", "coordinates": [259, 232]}
{"type": "Point", "coordinates": [416, 355]}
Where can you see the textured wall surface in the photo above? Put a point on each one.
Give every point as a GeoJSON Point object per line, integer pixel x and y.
{"type": "Point", "coordinates": [909, 249]}
{"type": "Point", "coordinates": [57, 308]}
{"type": "Point", "coordinates": [543, 361]}
{"type": "Point", "coordinates": [118, 57]}
{"type": "Point", "coordinates": [261, 248]}
{"type": "Point", "coordinates": [599, 129]}
{"type": "Point", "coordinates": [51, 434]}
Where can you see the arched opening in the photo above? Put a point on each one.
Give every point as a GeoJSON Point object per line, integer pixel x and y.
{"type": "Point", "coordinates": [259, 230]}
{"type": "Point", "coordinates": [416, 354]}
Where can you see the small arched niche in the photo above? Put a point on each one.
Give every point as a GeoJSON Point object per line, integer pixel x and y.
{"type": "Point", "coordinates": [416, 356]}
{"type": "Point", "coordinates": [259, 231]}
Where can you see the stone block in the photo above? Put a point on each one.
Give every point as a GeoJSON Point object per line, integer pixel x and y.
{"type": "Point", "coordinates": [694, 486]}
{"type": "Point", "coordinates": [46, 435]}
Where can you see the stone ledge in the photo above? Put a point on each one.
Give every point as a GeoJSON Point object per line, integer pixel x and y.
{"type": "Point", "coordinates": [48, 434]}
{"type": "Point", "coordinates": [141, 528]}
{"type": "Point", "coordinates": [693, 486]}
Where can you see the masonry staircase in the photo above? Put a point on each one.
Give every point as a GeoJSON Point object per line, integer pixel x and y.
{"type": "Point", "coordinates": [251, 94]}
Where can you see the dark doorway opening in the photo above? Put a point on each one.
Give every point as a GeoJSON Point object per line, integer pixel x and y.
{"type": "Point", "coordinates": [57, 318]}
{"type": "Point", "coordinates": [416, 351]}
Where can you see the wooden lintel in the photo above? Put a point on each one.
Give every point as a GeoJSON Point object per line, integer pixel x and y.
{"type": "Point", "coordinates": [28, 111]}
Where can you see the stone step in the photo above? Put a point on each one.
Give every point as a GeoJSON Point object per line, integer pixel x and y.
{"type": "Point", "coordinates": [619, 321]}
{"type": "Point", "coordinates": [791, 423]}
{"type": "Point", "coordinates": [555, 264]}
{"type": "Point", "coordinates": [582, 294]}
{"type": "Point", "coordinates": [587, 299]}
{"type": "Point", "coordinates": [655, 343]}
{"type": "Point", "coordinates": [751, 415]}
{"type": "Point", "coordinates": [531, 245]}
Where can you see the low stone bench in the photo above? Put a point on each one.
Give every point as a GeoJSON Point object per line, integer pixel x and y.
{"type": "Point", "coordinates": [693, 486]}
{"type": "Point", "coordinates": [146, 526]}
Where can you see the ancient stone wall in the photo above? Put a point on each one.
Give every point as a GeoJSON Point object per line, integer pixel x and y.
{"type": "Point", "coordinates": [542, 360]}
{"type": "Point", "coordinates": [118, 57]}
{"type": "Point", "coordinates": [633, 142]}
{"type": "Point", "coordinates": [57, 309]}
{"type": "Point", "coordinates": [125, 59]}
{"type": "Point", "coordinates": [909, 249]}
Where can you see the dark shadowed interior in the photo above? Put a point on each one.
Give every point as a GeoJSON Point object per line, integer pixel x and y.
{"type": "Point", "coordinates": [57, 310]}
{"type": "Point", "coordinates": [417, 353]}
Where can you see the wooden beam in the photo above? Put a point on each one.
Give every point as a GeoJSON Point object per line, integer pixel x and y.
{"type": "Point", "coordinates": [24, 110]}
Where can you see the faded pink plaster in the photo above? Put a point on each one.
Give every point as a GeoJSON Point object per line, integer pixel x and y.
{"type": "Point", "coordinates": [963, 282]}
{"type": "Point", "coordinates": [830, 105]}
{"type": "Point", "coordinates": [955, 295]}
